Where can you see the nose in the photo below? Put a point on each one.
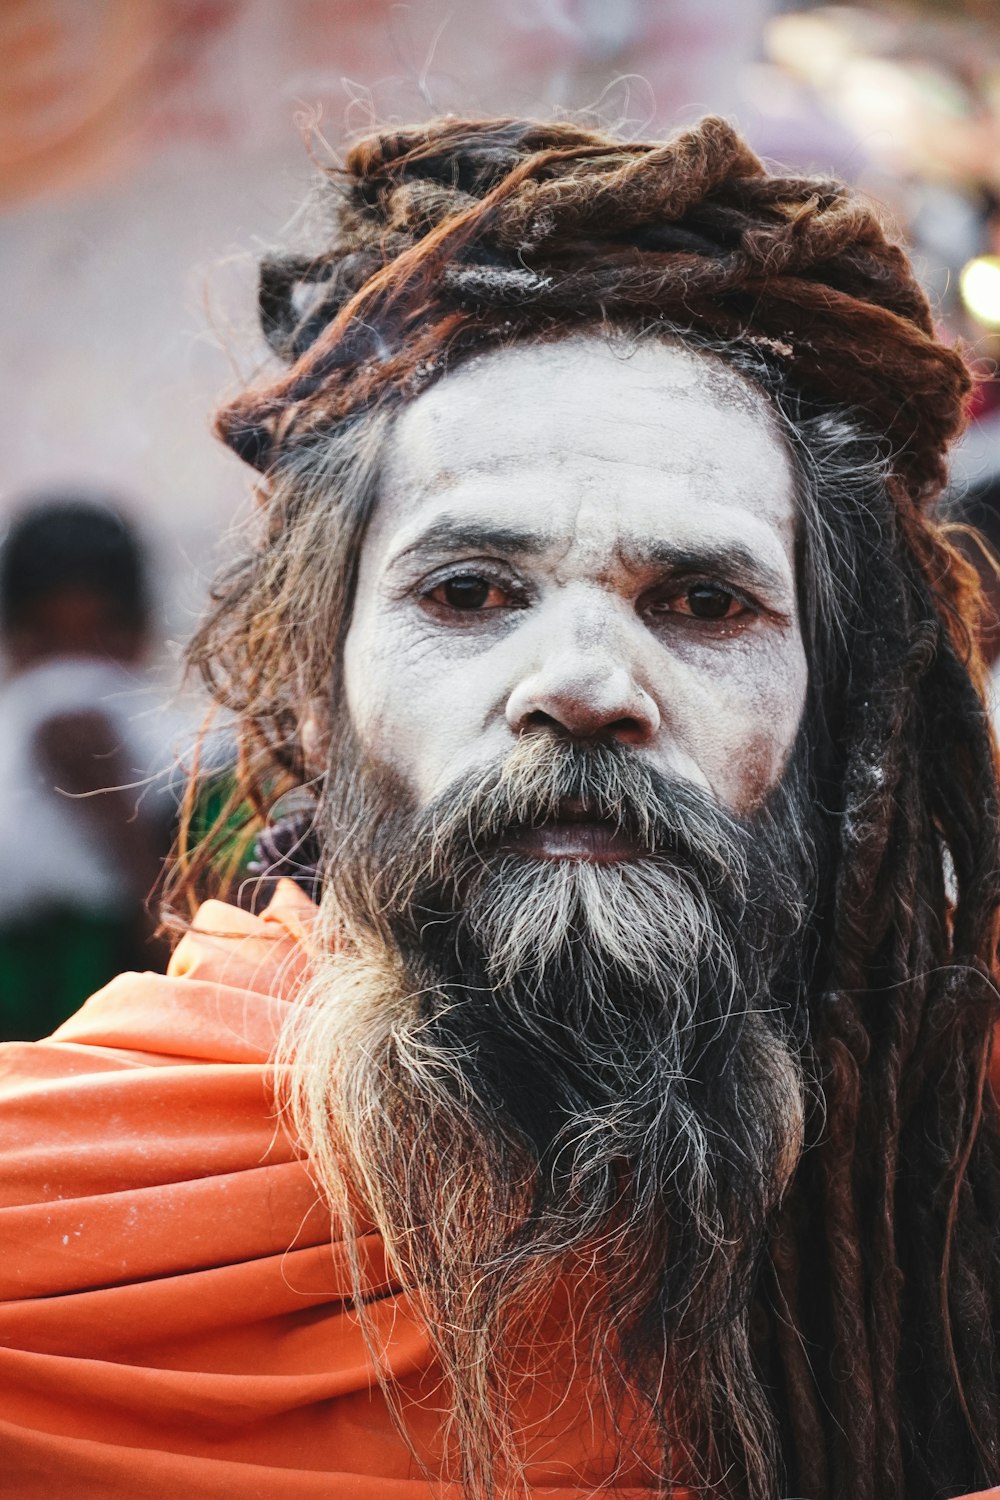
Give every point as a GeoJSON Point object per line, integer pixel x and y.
{"type": "Point", "coordinates": [585, 692]}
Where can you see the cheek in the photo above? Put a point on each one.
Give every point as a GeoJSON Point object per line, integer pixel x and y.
{"type": "Point", "coordinates": [381, 699]}
{"type": "Point", "coordinates": [416, 707]}
{"type": "Point", "coordinates": [750, 728]}
{"type": "Point", "coordinates": [754, 771]}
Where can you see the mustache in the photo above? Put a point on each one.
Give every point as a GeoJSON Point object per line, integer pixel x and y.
{"type": "Point", "coordinates": [543, 779]}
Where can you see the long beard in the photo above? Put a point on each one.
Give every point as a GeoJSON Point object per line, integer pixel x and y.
{"type": "Point", "coordinates": [528, 1069]}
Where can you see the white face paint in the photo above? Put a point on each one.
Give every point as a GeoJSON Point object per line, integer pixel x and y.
{"type": "Point", "coordinates": [568, 537]}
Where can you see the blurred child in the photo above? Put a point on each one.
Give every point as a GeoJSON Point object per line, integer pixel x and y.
{"type": "Point", "coordinates": [82, 831]}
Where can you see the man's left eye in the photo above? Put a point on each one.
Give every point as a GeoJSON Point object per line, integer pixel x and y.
{"type": "Point", "coordinates": [707, 601]}
{"type": "Point", "coordinates": [711, 602]}
{"type": "Point", "coordinates": [469, 592]}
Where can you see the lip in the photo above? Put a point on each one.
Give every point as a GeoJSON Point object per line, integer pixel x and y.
{"type": "Point", "coordinates": [578, 838]}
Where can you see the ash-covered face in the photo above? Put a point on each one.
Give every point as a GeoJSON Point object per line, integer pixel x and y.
{"type": "Point", "coordinates": [590, 542]}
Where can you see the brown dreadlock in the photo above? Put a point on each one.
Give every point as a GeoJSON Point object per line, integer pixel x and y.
{"type": "Point", "coordinates": [876, 1316]}
{"type": "Point", "coordinates": [578, 226]}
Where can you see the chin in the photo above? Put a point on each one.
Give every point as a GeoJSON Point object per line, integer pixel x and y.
{"type": "Point", "coordinates": [616, 911]}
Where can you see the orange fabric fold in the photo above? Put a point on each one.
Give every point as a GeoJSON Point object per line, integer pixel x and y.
{"type": "Point", "coordinates": [174, 1319]}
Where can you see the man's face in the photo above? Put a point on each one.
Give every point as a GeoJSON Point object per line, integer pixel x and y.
{"type": "Point", "coordinates": [597, 545]}
{"type": "Point", "coordinates": [565, 877]}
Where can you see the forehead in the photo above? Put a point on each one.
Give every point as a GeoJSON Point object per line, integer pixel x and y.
{"type": "Point", "coordinates": [584, 439]}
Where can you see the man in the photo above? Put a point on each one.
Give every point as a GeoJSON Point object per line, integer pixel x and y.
{"type": "Point", "coordinates": [602, 637]}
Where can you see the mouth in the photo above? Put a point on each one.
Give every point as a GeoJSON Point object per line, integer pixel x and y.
{"type": "Point", "coordinates": [574, 833]}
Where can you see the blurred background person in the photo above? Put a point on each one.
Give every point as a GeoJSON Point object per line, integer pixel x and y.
{"type": "Point", "coordinates": [84, 819]}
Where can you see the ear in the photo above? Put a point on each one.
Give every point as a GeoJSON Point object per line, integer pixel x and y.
{"type": "Point", "coordinates": [315, 741]}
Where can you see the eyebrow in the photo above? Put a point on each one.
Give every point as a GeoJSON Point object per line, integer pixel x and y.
{"type": "Point", "coordinates": [451, 534]}
{"type": "Point", "coordinates": [727, 559]}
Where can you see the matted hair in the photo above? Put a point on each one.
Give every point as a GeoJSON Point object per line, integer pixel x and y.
{"type": "Point", "coordinates": [877, 1302]}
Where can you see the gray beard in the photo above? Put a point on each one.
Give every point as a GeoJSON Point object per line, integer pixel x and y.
{"type": "Point", "coordinates": [516, 1062]}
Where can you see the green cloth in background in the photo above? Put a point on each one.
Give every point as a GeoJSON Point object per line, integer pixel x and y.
{"type": "Point", "coordinates": [51, 963]}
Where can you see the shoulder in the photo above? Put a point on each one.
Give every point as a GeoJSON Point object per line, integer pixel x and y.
{"type": "Point", "coordinates": [172, 1304]}
{"type": "Point", "coordinates": [158, 1087]}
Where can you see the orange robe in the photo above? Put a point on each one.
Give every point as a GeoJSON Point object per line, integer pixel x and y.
{"type": "Point", "coordinates": [174, 1321]}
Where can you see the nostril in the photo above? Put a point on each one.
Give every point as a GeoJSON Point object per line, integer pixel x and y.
{"type": "Point", "coordinates": [538, 719]}
{"type": "Point", "coordinates": [627, 731]}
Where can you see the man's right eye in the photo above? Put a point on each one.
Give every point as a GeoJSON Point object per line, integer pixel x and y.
{"type": "Point", "coordinates": [469, 592]}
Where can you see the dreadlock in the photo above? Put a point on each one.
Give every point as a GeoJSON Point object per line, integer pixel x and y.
{"type": "Point", "coordinates": [876, 1306]}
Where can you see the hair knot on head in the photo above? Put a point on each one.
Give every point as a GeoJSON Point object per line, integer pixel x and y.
{"type": "Point", "coordinates": [462, 234]}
